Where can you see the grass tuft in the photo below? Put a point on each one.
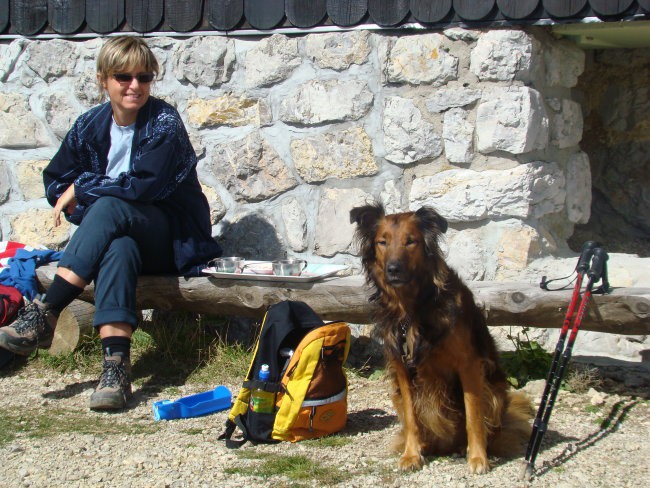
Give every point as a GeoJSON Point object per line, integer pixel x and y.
{"type": "Point", "coordinates": [38, 423]}
{"type": "Point", "coordinates": [297, 468]}
{"type": "Point", "coordinates": [581, 378]}
{"type": "Point", "coordinates": [170, 349]}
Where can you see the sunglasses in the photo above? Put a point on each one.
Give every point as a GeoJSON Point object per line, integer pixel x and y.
{"type": "Point", "coordinates": [128, 77]}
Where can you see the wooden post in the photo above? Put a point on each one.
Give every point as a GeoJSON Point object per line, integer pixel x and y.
{"type": "Point", "coordinates": [74, 324]}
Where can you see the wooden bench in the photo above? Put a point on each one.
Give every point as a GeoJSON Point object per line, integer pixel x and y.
{"type": "Point", "coordinates": [624, 311]}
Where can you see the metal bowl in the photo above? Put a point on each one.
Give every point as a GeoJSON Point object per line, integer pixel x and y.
{"type": "Point", "coordinates": [289, 267]}
{"type": "Point", "coordinates": [232, 264]}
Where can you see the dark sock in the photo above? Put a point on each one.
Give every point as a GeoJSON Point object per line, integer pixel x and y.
{"type": "Point", "coordinates": [60, 294]}
{"type": "Point", "coordinates": [116, 345]}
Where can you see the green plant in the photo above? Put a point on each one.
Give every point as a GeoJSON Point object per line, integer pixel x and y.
{"type": "Point", "coordinates": [528, 361]}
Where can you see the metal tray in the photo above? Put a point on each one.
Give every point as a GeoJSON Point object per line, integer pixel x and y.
{"type": "Point", "coordinates": [261, 271]}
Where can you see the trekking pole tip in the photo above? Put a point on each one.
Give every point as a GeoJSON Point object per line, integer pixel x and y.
{"type": "Point", "coordinates": [526, 471]}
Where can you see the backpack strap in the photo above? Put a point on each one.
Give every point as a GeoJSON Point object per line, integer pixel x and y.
{"type": "Point", "coordinates": [230, 429]}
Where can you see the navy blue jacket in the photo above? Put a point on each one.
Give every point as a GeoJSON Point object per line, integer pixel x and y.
{"type": "Point", "coordinates": [163, 173]}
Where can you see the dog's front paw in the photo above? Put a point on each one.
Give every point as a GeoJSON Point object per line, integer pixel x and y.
{"type": "Point", "coordinates": [478, 465]}
{"type": "Point", "coordinates": [411, 461]}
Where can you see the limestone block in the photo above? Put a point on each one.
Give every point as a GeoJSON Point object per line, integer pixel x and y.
{"type": "Point", "coordinates": [295, 224]}
{"type": "Point", "coordinates": [230, 110]}
{"type": "Point", "coordinates": [21, 131]}
{"type": "Point", "coordinates": [317, 102]}
{"type": "Point", "coordinates": [87, 90]}
{"type": "Point", "coordinates": [197, 143]}
{"type": "Point", "coordinates": [252, 235]}
{"type": "Point", "coordinates": [206, 61]}
{"type": "Point", "coordinates": [338, 50]}
{"type": "Point", "coordinates": [36, 227]}
{"type": "Point", "coordinates": [5, 182]}
{"type": "Point", "coordinates": [343, 154]}
{"type": "Point", "coordinates": [462, 195]}
{"type": "Point", "coordinates": [503, 55]}
{"type": "Point", "coordinates": [164, 48]}
{"type": "Point", "coordinates": [578, 188]}
{"type": "Point", "coordinates": [251, 169]}
{"type": "Point", "coordinates": [460, 34]}
{"type": "Point", "coordinates": [217, 207]}
{"type": "Point", "coordinates": [14, 102]}
{"type": "Point", "coordinates": [30, 178]}
{"type": "Point", "coordinates": [334, 213]}
{"type": "Point", "coordinates": [391, 197]}
{"type": "Point", "coordinates": [9, 54]}
{"type": "Point", "coordinates": [446, 98]}
{"type": "Point", "coordinates": [517, 245]}
{"type": "Point", "coordinates": [466, 253]}
{"type": "Point", "coordinates": [60, 113]}
{"type": "Point", "coordinates": [458, 134]}
{"type": "Point", "coordinates": [272, 60]}
{"type": "Point", "coordinates": [564, 62]}
{"type": "Point", "coordinates": [420, 59]}
{"type": "Point", "coordinates": [566, 123]}
{"type": "Point", "coordinates": [511, 119]}
{"type": "Point", "coordinates": [498, 250]}
{"type": "Point", "coordinates": [407, 136]}
{"type": "Point", "coordinates": [52, 58]}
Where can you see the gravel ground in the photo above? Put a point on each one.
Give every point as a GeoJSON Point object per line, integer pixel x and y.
{"type": "Point", "coordinates": [48, 437]}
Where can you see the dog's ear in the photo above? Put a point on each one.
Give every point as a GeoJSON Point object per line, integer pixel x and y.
{"type": "Point", "coordinates": [430, 220]}
{"type": "Point", "coordinates": [367, 216]}
{"type": "Point", "coordinates": [432, 225]}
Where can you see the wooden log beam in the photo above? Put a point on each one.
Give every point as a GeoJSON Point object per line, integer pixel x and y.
{"type": "Point", "coordinates": [624, 311]}
{"type": "Point", "coordinates": [74, 324]}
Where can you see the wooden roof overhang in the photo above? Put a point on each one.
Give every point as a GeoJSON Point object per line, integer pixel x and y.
{"type": "Point", "coordinates": [92, 18]}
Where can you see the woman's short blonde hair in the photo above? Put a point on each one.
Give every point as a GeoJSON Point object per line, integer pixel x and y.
{"type": "Point", "coordinates": [124, 53]}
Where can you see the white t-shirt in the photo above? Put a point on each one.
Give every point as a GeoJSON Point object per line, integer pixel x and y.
{"type": "Point", "coordinates": [119, 155]}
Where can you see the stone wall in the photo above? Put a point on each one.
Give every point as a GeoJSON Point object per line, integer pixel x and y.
{"type": "Point", "coordinates": [293, 131]}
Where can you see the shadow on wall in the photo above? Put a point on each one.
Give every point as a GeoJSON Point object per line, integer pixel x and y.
{"type": "Point", "coordinates": [251, 237]}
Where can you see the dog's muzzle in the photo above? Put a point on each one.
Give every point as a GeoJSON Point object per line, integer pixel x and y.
{"type": "Point", "coordinates": [396, 273]}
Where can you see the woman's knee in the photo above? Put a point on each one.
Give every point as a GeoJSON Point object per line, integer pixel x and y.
{"type": "Point", "coordinates": [108, 209]}
{"type": "Point", "coordinates": [123, 252]}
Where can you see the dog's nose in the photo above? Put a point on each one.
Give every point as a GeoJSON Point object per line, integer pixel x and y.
{"type": "Point", "coordinates": [393, 267]}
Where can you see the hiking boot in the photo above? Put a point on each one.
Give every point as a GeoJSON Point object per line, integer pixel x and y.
{"type": "Point", "coordinates": [33, 328]}
{"type": "Point", "coordinates": [114, 384]}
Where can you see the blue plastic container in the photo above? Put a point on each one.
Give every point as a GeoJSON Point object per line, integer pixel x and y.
{"type": "Point", "coordinates": [194, 405]}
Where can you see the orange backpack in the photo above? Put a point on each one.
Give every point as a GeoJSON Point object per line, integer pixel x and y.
{"type": "Point", "coordinates": [306, 381]}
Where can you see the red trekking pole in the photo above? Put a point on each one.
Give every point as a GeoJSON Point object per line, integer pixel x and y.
{"type": "Point", "coordinates": [554, 379]}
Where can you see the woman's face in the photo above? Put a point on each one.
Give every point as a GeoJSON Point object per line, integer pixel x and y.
{"type": "Point", "coordinates": [128, 91]}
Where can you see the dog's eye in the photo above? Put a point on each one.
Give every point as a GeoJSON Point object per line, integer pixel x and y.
{"type": "Point", "coordinates": [410, 242]}
{"type": "Point", "coordinates": [381, 243]}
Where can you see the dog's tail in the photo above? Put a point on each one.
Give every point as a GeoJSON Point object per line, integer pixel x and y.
{"type": "Point", "coordinates": [510, 440]}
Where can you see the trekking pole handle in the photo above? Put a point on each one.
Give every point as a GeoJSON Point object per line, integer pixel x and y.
{"type": "Point", "coordinates": [597, 264]}
{"type": "Point", "coordinates": [585, 256]}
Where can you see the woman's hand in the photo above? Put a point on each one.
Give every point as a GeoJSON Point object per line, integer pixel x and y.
{"type": "Point", "coordinates": [66, 201]}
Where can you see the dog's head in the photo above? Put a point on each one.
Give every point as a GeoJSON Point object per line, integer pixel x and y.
{"type": "Point", "coordinates": [400, 249]}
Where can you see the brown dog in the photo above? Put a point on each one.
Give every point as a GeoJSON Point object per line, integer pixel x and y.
{"type": "Point", "coordinates": [449, 391]}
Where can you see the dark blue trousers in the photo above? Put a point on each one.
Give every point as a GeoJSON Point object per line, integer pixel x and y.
{"type": "Point", "coordinates": [116, 242]}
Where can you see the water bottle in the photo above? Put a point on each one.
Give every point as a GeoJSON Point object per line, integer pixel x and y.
{"type": "Point", "coordinates": [262, 401]}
